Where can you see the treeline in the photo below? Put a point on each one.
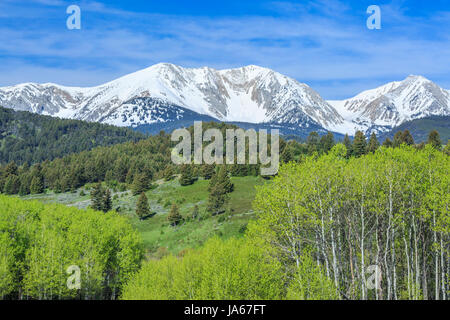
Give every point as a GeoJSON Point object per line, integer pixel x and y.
{"type": "Point", "coordinates": [39, 243]}
{"type": "Point", "coordinates": [378, 224]}
{"type": "Point", "coordinates": [128, 165]}
{"type": "Point", "coordinates": [30, 138]}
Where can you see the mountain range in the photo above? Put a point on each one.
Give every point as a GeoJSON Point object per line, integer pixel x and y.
{"type": "Point", "coordinates": [166, 94]}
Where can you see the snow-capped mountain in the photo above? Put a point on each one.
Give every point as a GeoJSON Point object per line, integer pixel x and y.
{"type": "Point", "coordinates": [167, 93]}
{"type": "Point", "coordinates": [249, 94]}
{"type": "Point", "coordinates": [392, 104]}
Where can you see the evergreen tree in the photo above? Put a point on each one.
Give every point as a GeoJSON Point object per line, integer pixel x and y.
{"type": "Point", "coordinates": [224, 180]}
{"type": "Point", "coordinates": [407, 138]}
{"type": "Point", "coordinates": [142, 207]}
{"type": "Point", "coordinates": [140, 184]}
{"type": "Point", "coordinates": [174, 216]}
{"type": "Point", "coordinates": [435, 140]}
{"type": "Point", "coordinates": [388, 143]}
{"type": "Point", "coordinates": [348, 145]}
{"type": "Point", "coordinates": [327, 142]}
{"type": "Point", "coordinates": [217, 199]}
{"type": "Point", "coordinates": [37, 185]}
{"type": "Point", "coordinates": [187, 176]}
{"type": "Point", "coordinates": [359, 144]}
{"type": "Point", "coordinates": [97, 197]}
{"type": "Point", "coordinates": [12, 185]}
{"type": "Point", "coordinates": [208, 170]}
{"type": "Point", "coordinates": [107, 202]}
{"type": "Point", "coordinates": [168, 173]}
{"type": "Point", "coordinates": [312, 142]}
{"type": "Point", "coordinates": [373, 143]}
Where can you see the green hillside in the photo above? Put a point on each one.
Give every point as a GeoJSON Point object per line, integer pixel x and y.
{"type": "Point", "coordinates": [421, 128]}
{"type": "Point", "coordinates": [30, 138]}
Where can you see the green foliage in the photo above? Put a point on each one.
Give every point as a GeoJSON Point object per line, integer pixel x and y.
{"type": "Point", "coordinates": [220, 186]}
{"type": "Point", "coordinates": [39, 242]}
{"type": "Point", "coordinates": [373, 143]}
{"type": "Point", "coordinates": [359, 147]}
{"type": "Point", "coordinates": [187, 175]}
{"type": "Point", "coordinates": [388, 209]}
{"type": "Point", "coordinates": [310, 282]}
{"type": "Point", "coordinates": [434, 140]}
{"type": "Point", "coordinates": [140, 184]}
{"type": "Point", "coordinates": [142, 207]}
{"type": "Point", "coordinates": [30, 138]}
{"type": "Point", "coordinates": [101, 198]}
{"type": "Point", "coordinates": [222, 270]}
{"type": "Point", "coordinates": [174, 216]}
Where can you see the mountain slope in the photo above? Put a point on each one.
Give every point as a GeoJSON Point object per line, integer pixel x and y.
{"type": "Point", "coordinates": [249, 94]}
{"type": "Point", "coordinates": [31, 138]}
{"type": "Point", "coordinates": [421, 128]}
{"type": "Point", "coordinates": [390, 105]}
{"type": "Point", "coordinates": [166, 93]}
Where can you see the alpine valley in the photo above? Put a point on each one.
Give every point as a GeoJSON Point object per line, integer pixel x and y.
{"type": "Point", "coordinates": [166, 96]}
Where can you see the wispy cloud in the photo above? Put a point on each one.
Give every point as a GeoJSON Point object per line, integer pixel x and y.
{"type": "Point", "coordinates": [322, 43]}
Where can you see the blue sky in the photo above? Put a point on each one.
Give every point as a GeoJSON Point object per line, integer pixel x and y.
{"type": "Point", "coordinates": [324, 43]}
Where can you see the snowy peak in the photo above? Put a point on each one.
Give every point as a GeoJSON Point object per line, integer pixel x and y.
{"type": "Point", "coordinates": [395, 103]}
{"type": "Point", "coordinates": [250, 94]}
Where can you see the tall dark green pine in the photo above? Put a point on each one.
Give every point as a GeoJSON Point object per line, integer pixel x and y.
{"type": "Point", "coordinates": [373, 143]}
{"type": "Point", "coordinates": [97, 197]}
{"type": "Point", "coordinates": [348, 145]}
{"type": "Point", "coordinates": [107, 201]}
{"type": "Point", "coordinates": [140, 184]}
{"type": "Point", "coordinates": [359, 144]}
{"type": "Point", "coordinates": [208, 170]}
{"type": "Point", "coordinates": [407, 138]}
{"type": "Point", "coordinates": [327, 142]}
{"type": "Point", "coordinates": [174, 216]}
{"type": "Point", "coordinates": [142, 206]}
{"type": "Point", "coordinates": [388, 143]}
{"type": "Point", "coordinates": [435, 140]}
{"type": "Point", "coordinates": [37, 185]}
{"type": "Point", "coordinates": [187, 175]}
{"type": "Point", "coordinates": [312, 142]}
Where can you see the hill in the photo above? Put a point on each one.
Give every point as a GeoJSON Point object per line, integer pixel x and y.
{"type": "Point", "coordinates": [421, 128]}
{"type": "Point", "coordinates": [30, 138]}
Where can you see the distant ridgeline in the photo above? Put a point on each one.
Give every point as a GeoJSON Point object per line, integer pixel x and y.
{"type": "Point", "coordinates": [30, 138]}
{"type": "Point", "coordinates": [421, 128]}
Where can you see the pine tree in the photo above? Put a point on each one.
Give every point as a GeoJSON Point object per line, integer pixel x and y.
{"type": "Point", "coordinates": [348, 145]}
{"type": "Point", "coordinates": [217, 200]}
{"type": "Point", "coordinates": [168, 173]}
{"type": "Point", "coordinates": [327, 142]}
{"type": "Point", "coordinates": [97, 197]}
{"type": "Point", "coordinates": [208, 170]}
{"type": "Point", "coordinates": [140, 184]}
{"type": "Point", "coordinates": [398, 139]}
{"type": "Point", "coordinates": [373, 143]}
{"type": "Point", "coordinates": [435, 140]}
{"type": "Point", "coordinates": [107, 202]}
{"type": "Point", "coordinates": [388, 143]}
{"type": "Point", "coordinates": [12, 185]}
{"type": "Point", "coordinates": [359, 144]}
{"type": "Point", "coordinates": [224, 180]}
{"type": "Point", "coordinates": [37, 185]}
{"type": "Point", "coordinates": [407, 138]}
{"type": "Point", "coordinates": [187, 176]}
{"type": "Point", "coordinates": [142, 207]}
{"type": "Point", "coordinates": [174, 216]}
{"type": "Point", "coordinates": [312, 142]}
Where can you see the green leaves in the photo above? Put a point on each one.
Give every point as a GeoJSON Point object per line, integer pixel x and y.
{"type": "Point", "coordinates": [39, 242]}
{"type": "Point", "coordinates": [230, 270]}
